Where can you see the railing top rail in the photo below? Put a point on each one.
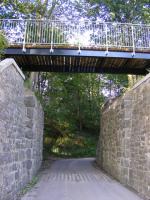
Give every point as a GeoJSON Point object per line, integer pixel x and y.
{"type": "Point", "coordinates": [83, 21]}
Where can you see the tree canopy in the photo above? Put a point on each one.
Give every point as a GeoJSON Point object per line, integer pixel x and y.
{"type": "Point", "coordinates": [127, 11]}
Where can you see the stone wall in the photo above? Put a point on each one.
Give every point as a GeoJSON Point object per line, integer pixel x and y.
{"type": "Point", "coordinates": [21, 132]}
{"type": "Point", "coordinates": [124, 143]}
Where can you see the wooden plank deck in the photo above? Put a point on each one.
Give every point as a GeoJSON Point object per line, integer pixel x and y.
{"type": "Point", "coordinates": [69, 46]}
{"type": "Point", "coordinates": [90, 60]}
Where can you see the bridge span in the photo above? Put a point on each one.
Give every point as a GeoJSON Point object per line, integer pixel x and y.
{"type": "Point", "coordinates": [87, 47]}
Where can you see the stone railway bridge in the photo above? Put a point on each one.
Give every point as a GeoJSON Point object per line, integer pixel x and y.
{"type": "Point", "coordinates": [87, 47]}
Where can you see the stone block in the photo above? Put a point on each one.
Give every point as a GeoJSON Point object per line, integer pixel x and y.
{"type": "Point", "coordinates": [29, 164]}
{"type": "Point", "coordinates": [16, 176]}
{"type": "Point", "coordinates": [29, 123]}
{"type": "Point", "coordinates": [29, 101]}
{"type": "Point", "coordinates": [14, 167]}
{"type": "Point", "coordinates": [6, 147]}
{"type": "Point", "coordinates": [28, 133]}
{"type": "Point", "coordinates": [28, 153]}
{"type": "Point", "coordinates": [30, 112]}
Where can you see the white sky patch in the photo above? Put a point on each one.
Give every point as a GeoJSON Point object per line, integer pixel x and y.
{"type": "Point", "coordinates": [83, 39]}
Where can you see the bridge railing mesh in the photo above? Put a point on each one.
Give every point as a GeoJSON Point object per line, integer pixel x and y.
{"type": "Point", "coordinates": [86, 34]}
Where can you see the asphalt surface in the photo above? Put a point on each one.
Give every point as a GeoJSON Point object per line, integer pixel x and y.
{"type": "Point", "coordinates": [77, 179]}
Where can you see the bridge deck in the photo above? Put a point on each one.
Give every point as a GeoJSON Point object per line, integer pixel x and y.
{"type": "Point", "coordinates": [87, 61]}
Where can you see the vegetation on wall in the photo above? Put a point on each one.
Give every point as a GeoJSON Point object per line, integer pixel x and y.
{"type": "Point", "coordinates": [3, 44]}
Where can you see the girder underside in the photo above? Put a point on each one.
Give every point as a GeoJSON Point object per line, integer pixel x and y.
{"type": "Point", "coordinates": [86, 61]}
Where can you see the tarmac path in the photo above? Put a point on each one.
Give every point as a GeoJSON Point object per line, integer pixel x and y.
{"type": "Point", "coordinates": [77, 179]}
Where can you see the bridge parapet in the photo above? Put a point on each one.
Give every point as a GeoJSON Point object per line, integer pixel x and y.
{"type": "Point", "coordinates": [86, 34]}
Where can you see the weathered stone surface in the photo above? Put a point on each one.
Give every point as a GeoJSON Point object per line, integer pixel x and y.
{"type": "Point", "coordinates": [124, 148]}
{"type": "Point", "coordinates": [21, 132]}
{"type": "Point", "coordinates": [29, 101]}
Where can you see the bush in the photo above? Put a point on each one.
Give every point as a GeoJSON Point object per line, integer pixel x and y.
{"type": "Point", "coordinates": [3, 43]}
{"type": "Point", "coordinates": [71, 145]}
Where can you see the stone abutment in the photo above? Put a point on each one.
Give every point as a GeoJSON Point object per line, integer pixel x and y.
{"type": "Point", "coordinates": [21, 131]}
{"type": "Point", "coordinates": [124, 142]}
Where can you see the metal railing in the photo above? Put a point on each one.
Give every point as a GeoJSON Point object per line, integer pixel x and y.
{"type": "Point", "coordinates": [81, 34]}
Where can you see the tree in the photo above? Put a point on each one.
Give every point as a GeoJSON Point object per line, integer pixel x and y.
{"type": "Point", "coordinates": [28, 9]}
{"type": "Point", "coordinates": [39, 9]}
{"type": "Point", "coordinates": [127, 11]}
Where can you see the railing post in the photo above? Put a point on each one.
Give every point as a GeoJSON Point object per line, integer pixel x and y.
{"type": "Point", "coordinates": [52, 34]}
{"type": "Point", "coordinates": [79, 44]}
{"type": "Point", "coordinates": [106, 29]}
{"type": "Point", "coordinates": [24, 40]}
{"type": "Point", "coordinates": [133, 41]}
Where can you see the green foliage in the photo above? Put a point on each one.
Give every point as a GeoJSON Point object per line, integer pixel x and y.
{"type": "Point", "coordinates": [27, 84]}
{"type": "Point", "coordinates": [134, 11]}
{"type": "Point", "coordinates": [72, 104]}
{"type": "Point", "coordinates": [37, 8]}
{"type": "Point", "coordinates": [115, 84]}
{"type": "Point", "coordinates": [73, 101]}
{"type": "Point", "coordinates": [3, 43]}
{"type": "Point", "coordinates": [71, 145]}
{"type": "Point", "coordinates": [29, 185]}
